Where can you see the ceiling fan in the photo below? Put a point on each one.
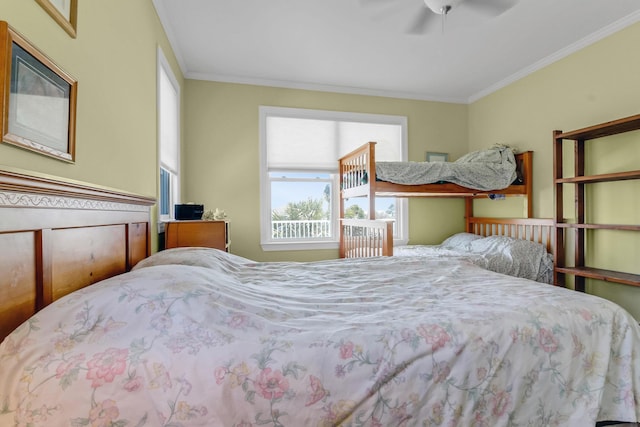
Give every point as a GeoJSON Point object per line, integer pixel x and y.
{"type": "Point", "coordinates": [433, 10]}
{"type": "Point", "coordinates": [441, 7]}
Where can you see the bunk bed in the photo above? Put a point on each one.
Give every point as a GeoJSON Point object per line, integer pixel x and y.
{"type": "Point", "coordinates": [356, 167]}
{"type": "Point", "coordinates": [199, 336]}
{"type": "Point", "coordinates": [360, 238]}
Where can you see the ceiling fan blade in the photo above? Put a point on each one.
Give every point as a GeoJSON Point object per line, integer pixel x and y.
{"type": "Point", "coordinates": [490, 7]}
{"type": "Point", "coordinates": [421, 22]}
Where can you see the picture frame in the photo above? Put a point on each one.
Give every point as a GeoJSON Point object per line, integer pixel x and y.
{"type": "Point", "coordinates": [433, 156]}
{"type": "Point", "coordinates": [38, 99]}
{"type": "Point", "coordinates": [64, 12]}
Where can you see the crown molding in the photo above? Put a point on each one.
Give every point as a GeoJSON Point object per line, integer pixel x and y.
{"type": "Point", "coordinates": [321, 88]}
{"type": "Point", "coordinates": [561, 54]}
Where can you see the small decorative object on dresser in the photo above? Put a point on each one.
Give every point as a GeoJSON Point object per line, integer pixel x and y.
{"type": "Point", "coordinates": [208, 215]}
{"type": "Point", "coordinates": [217, 215]}
{"type": "Point", "coordinates": [210, 234]}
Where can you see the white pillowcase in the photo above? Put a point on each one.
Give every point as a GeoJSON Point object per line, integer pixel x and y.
{"type": "Point", "coordinates": [506, 255]}
{"type": "Point", "coordinates": [515, 257]}
{"type": "Point", "coordinates": [460, 241]}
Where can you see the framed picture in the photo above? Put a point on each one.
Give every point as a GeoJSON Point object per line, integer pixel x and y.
{"type": "Point", "coordinates": [437, 157]}
{"type": "Point", "coordinates": [38, 99]}
{"type": "Point", "coordinates": [64, 12]}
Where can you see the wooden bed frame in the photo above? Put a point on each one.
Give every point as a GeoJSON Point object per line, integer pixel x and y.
{"type": "Point", "coordinates": [360, 163]}
{"type": "Point", "coordinates": [57, 236]}
{"type": "Point", "coordinates": [540, 230]}
{"type": "Point", "coordinates": [361, 238]}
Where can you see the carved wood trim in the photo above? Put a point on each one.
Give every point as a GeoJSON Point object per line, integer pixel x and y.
{"type": "Point", "coordinates": [19, 188]}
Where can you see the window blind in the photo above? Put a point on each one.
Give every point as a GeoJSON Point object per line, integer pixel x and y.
{"type": "Point", "coordinates": [169, 137]}
{"type": "Point", "coordinates": [301, 144]}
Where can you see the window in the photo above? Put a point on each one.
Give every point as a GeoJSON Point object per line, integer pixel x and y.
{"type": "Point", "coordinates": [299, 152]}
{"type": "Point", "coordinates": [168, 139]}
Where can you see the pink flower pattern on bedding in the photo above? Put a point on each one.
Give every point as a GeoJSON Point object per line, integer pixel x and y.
{"type": "Point", "coordinates": [199, 337]}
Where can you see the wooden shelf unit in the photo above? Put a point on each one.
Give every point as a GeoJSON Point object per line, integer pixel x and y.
{"type": "Point", "coordinates": [579, 138]}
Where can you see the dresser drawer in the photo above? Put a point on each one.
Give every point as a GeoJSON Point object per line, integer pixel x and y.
{"type": "Point", "coordinates": [210, 234]}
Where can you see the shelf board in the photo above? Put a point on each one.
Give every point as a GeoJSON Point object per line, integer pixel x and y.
{"type": "Point", "coordinates": [601, 274]}
{"type": "Point", "coordinates": [607, 177]}
{"type": "Point", "coordinates": [604, 129]}
{"type": "Point", "coordinates": [626, 227]}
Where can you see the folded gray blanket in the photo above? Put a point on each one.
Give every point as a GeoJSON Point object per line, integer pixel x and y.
{"type": "Point", "coordinates": [486, 170]}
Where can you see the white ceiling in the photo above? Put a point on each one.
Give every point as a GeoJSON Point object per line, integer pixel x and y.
{"type": "Point", "coordinates": [364, 47]}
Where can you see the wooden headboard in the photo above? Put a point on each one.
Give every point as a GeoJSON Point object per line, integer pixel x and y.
{"type": "Point", "coordinates": [360, 238]}
{"type": "Point", "coordinates": [57, 236]}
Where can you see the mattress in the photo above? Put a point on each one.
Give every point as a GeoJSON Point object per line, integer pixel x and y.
{"type": "Point", "coordinates": [200, 337]}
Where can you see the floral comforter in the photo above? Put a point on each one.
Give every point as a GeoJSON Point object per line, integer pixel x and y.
{"type": "Point", "coordinates": [198, 337]}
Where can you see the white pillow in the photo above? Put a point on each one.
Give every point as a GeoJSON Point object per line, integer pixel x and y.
{"type": "Point", "coordinates": [515, 257]}
{"type": "Point", "coordinates": [460, 241]}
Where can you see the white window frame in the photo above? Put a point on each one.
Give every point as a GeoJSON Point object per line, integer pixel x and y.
{"type": "Point", "coordinates": [301, 243]}
{"type": "Point", "coordinates": [402, 205]}
{"type": "Point", "coordinates": [163, 67]}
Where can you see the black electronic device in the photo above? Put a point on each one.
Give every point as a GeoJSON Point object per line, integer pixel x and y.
{"type": "Point", "coordinates": [189, 211]}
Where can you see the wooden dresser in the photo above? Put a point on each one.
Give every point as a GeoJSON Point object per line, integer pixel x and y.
{"type": "Point", "coordinates": [210, 234]}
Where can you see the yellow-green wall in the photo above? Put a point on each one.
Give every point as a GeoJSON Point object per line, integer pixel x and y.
{"type": "Point", "coordinates": [594, 85]}
{"type": "Point", "coordinates": [114, 60]}
{"type": "Point", "coordinates": [222, 154]}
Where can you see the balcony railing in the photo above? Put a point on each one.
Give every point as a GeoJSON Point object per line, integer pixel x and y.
{"type": "Point", "coordinates": [303, 229]}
